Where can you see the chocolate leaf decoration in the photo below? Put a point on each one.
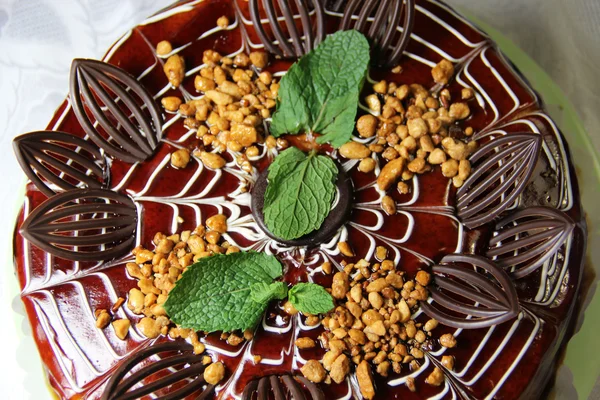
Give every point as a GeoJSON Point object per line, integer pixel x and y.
{"type": "Point", "coordinates": [525, 239]}
{"type": "Point", "coordinates": [129, 139]}
{"type": "Point", "coordinates": [500, 171]}
{"type": "Point", "coordinates": [58, 161]}
{"type": "Point", "coordinates": [470, 292]}
{"type": "Point", "coordinates": [179, 373]}
{"type": "Point", "coordinates": [382, 31]}
{"type": "Point", "coordinates": [303, 40]}
{"type": "Point", "coordinates": [277, 387]}
{"type": "Point", "coordinates": [83, 225]}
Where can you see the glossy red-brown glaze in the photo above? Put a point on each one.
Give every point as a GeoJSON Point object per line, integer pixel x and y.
{"type": "Point", "coordinates": [60, 296]}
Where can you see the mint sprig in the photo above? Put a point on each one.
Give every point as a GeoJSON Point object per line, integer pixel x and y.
{"type": "Point", "coordinates": [218, 293]}
{"type": "Point", "coordinates": [299, 194]}
{"type": "Point", "coordinates": [310, 298]}
{"type": "Point", "coordinates": [227, 292]}
{"type": "Point", "coordinates": [319, 93]}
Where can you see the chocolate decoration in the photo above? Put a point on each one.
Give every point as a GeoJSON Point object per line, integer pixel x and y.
{"type": "Point", "coordinates": [336, 218]}
{"type": "Point", "coordinates": [126, 141]}
{"type": "Point", "coordinates": [125, 384]}
{"type": "Point", "coordinates": [278, 386]}
{"type": "Point", "coordinates": [312, 34]}
{"type": "Point", "coordinates": [383, 30]}
{"type": "Point", "coordinates": [70, 224]}
{"type": "Point", "coordinates": [59, 161]}
{"type": "Point", "coordinates": [500, 171]}
{"type": "Point", "coordinates": [497, 303]}
{"type": "Point", "coordinates": [527, 238]}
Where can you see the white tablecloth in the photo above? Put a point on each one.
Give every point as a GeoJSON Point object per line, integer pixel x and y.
{"type": "Point", "coordinates": [39, 38]}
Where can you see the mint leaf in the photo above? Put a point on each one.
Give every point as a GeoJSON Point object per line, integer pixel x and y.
{"type": "Point", "coordinates": [320, 92]}
{"type": "Point", "coordinates": [284, 165]}
{"type": "Point", "coordinates": [310, 298]}
{"type": "Point", "coordinates": [263, 292]}
{"type": "Point", "coordinates": [299, 194]}
{"type": "Point", "coordinates": [214, 294]}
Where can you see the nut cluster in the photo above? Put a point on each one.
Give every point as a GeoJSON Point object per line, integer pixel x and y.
{"type": "Point", "coordinates": [158, 270]}
{"type": "Point", "coordinates": [238, 97]}
{"type": "Point", "coordinates": [372, 325]}
{"type": "Point", "coordinates": [414, 130]}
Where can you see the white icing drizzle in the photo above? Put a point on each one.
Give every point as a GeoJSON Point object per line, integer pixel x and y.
{"type": "Point", "coordinates": [56, 349]}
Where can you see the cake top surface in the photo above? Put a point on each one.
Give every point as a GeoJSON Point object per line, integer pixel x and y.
{"type": "Point", "coordinates": [436, 168]}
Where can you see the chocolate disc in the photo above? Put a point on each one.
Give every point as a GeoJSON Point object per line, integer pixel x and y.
{"type": "Point", "coordinates": [336, 218]}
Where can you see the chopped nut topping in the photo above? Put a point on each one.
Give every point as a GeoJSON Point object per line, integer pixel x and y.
{"type": "Point", "coordinates": [436, 378]}
{"type": "Point", "coordinates": [442, 72]}
{"type": "Point", "coordinates": [171, 103]}
{"type": "Point", "coordinates": [121, 327]}
{"type": "Point", "coordinates": [354, 150]}
{"type": "Point", "coordinates": [102, 319]}
{"type": "Point", "coordinates": [175, 70]}
{"type": "Point", "coordinates": [180, 158]}
{"type": "Point", "coordinates": [212, 160]}
{"type": "Point", "coordinates": [223, 22]}
{"type": "Point", "coordinates": [448, 340]}
{"type": "Point", "coordinates": [345, 249]}
{"type": "Point", "coordinates": [305, 343]}
{"type": "Point", "coordinates": [313, 371]}
{"type": "Point", "coordinates": [214, 373]}
{"type": "Point", "coordinates": [163, 48]}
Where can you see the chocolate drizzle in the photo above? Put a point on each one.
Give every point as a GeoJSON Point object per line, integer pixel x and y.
{"type": "Point", "coordinates": [122, 138]}
{"type": "Point", "coordinates": [58, 161]}
{"type": "Point", "coordinates": [488, 302]}
{"type": "Point", "coordinates": [501, 170]}
{"type": "Point", "coordinates": [83, 225]}
{"type": "Point", "coordinates": [336, 218]}
{"type": "Point", "coordinates": [525, 239]}
{"type": "Point", "coordinates": [189, 379]}
{"type": "Point", "coordinates": [279, 386]}
{"type": "Point", "coordinates": [383, 31]}
{"type": "Point", "coordinates": [313, 32]}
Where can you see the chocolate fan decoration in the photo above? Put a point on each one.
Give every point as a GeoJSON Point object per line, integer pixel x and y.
{"type": "Point", "coordinates": [527, 238]}
{"type": "Point", "coordinates": [387, 35]}
{"type": "Point", "coordinates": [497, 299]}
{"type": "Point", "coordinates": [302, 39]}
{"type": "Point", "coordinates": [278, 387]}
{"type": "Point", "coordinates": [100, 223]}
{"type": "Point", "coordinates": [501, 169]}
{"type": "Point", "coordinates": [125, 384]}
{"type": "Point", "coordinates": [59, 159]}
{"type": "Point", "coordinates": [129, 139]}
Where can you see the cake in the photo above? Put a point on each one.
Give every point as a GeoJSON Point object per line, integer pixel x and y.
{"type": "Point", "coordinates": [455, 223]}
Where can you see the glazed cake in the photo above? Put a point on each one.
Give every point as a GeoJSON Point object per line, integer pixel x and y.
{"type": "Point", "coordinates": [494, 248]}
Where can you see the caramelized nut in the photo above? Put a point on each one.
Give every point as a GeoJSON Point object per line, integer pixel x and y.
{"type": "Point", "coordinates": [448, 340]}
{"type": "Point", "coordinates": [214, 373]}
{"type": "Point", "coordinates": [171, 103]}
{"type": "Point", "coordinates": [180, 158]}
{"type": "Point", "coordinates": [163, 48]}
{"type": "Point", "coordinates": [121, 327]}
{"type": "Point", "coordinates": [354, 150]}
{"type": "Point", "coordinates": [174, 69]}
{"type": "Point", "coordinates": [305, 343]}
{"type": "Point", "coordinates": [212, 160]}
{"type": "Point", "coordinates": [313, 371]}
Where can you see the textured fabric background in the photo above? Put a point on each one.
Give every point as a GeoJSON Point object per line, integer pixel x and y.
{"type": "Point", "coordinates": [39, 38]}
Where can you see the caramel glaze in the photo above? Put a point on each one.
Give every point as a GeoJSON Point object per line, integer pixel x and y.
{"type": "Point", "coordinates": [60, 300]}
